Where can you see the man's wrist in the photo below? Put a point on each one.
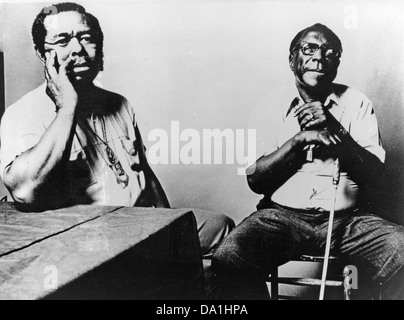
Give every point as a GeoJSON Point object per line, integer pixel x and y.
{"type": "Point", "coordinates": [298, 141]}
{"type": "Point", "coordinates": [341, 132]}
{"type": "Point", "coordinates": [66, 111]}
{"type": "Point", "coordinates": [335, 126]}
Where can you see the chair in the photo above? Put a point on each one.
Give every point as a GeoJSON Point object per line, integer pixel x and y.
{"type": "Point", "coordinates": [275, 280]}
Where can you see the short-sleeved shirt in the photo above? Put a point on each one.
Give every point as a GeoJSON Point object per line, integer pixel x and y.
{"type": "Point", "coordinates": [87, 176]}
{"type": "Point", "coordinates": [311, 188]}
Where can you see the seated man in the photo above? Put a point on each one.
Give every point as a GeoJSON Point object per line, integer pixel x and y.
{"type": "Point", "coordinates": [310, 128]}
{"type": "Point", "coordinates": [70, 142]}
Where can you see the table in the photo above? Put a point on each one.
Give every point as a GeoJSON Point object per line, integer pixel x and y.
{"type": "Point", "coordinates": [99, 252]}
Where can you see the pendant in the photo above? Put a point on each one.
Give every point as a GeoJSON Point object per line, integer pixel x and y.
{"type": "Point", "coordinates": [121, 177]}
{"type": "Point", "coordinates": [110, 155]}
{"type": "Point", "coordinates": [123, 181]}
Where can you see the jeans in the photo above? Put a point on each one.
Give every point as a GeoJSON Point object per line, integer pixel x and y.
{"type": "Point", "coordinates": [273, 236]}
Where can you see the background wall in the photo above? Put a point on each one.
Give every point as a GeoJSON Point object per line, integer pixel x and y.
{"type": "Point", "coordinates": [210, 64]}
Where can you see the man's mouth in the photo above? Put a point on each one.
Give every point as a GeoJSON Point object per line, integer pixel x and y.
{"type": "Point", "coordinates": [82, 67]}
{"type": "Point", "coordinates": [317, 69]}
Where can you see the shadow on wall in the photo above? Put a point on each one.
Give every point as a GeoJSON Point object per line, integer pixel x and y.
{"type": "Point", "coordinates": [388, 103]}
{"type": "Point", "coordinates": [389, 202]}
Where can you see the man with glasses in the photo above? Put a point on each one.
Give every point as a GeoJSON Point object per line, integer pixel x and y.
{"type": "Point", "coordinates": [311, 128]}
{"type": "Point", "coordinates": [70, 142]}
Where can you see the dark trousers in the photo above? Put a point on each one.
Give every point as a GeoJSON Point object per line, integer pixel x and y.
{"type": "Point", "coordinates": [271, 237]}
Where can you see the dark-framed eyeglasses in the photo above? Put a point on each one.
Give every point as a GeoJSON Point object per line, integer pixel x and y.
{"type": "Point", "coordinates": [310, 48]}
{"type": "Point", "coordinates": [84, 38]}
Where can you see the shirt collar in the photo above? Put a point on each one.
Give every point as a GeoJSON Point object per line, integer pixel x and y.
{"type": "Point", "coordinates": [333, 99]}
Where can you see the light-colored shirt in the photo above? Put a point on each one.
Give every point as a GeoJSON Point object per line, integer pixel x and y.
{"type": "Point", "coordinates": [87, 176]}
{"type": "Point", "coordinates": [311, 187]}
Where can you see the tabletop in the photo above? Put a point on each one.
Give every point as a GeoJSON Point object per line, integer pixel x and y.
{"type": "Point", "coordinates": [99, 252]}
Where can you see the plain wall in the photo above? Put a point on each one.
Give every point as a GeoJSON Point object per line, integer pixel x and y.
{"type": "Point", "coordinates": [210, 64]}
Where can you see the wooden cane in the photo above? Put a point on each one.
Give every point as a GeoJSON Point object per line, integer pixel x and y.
{"type": "Point", "coordinates": [335, 182]}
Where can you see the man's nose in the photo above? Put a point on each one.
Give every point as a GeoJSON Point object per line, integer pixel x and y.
{"type": "Point", "coordinates": [75, 46]}
{"type": "Point", "coordinates": [319, 55]}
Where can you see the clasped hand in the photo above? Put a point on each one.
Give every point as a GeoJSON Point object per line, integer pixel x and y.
{"type": "Point", "coordinates": [318, 125]}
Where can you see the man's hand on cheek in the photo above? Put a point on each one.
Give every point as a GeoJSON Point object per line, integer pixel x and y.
{"type": "Point", "coordinates": [59, 87]}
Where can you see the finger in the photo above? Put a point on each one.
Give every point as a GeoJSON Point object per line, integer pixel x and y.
{"type": "Point", "coordinates": [46, 73]}
{"type": "Point", "coordinates": [315, 111]}
{"type": "Point", "coordinates": [302, 115]}
{"type": "Point", "coordinates": [45, 69]}
{"type": "Point", "coordinates": [318, 120]}
{"type": "Point", "coordinates": [306, 118]}
{"type": "Point", "coordinates": [309, 105]}
{"type": "Point", "coordinates": [323, 137]}
{"type": "Point", "coordinates": [311, 124]}
{"type": "Point", "coordinates": [47, 55]}
{"type": "Point", "coordinates": [50, 58]}
{"type": "Point", "coordinates": [50, 64]}
{"type": "Point", "coordinates": [338, 139]}
{"type": "Point", "coordinates": [302, 108]}
{"type": "Point", "coordinates": [332, 139]}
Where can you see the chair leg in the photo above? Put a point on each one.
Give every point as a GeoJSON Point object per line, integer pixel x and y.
{"type": "Point", "coordinates": [274, 284]}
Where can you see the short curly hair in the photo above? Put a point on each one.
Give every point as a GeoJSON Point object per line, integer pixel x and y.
{"type": "Point", "coordinates": [39, 31]}
{"type": "Point", "coordinates": [316, 27]}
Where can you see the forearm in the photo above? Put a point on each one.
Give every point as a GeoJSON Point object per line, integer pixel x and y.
{"type": "Point", "coordinates": [271, 171]}
{"type": "Point", "coordinates": [363, 166]}
{"type": "Point", "coordinates": [30, 173]}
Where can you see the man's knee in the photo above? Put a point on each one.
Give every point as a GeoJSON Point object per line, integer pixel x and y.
{"type": "Point", "coordinates": [221, 224]}
{"type": "Point", "coordinates": [223, 259]}
{"type": "Point", "coordinates": [392, 287]}
{"type": "Point", "coordinates": [212, 229]}
{"type": "Point", "coordinates": [392, 248]}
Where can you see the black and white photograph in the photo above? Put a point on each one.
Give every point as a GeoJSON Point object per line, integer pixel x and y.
{"type": "Point", "coordinates": [216, 151]}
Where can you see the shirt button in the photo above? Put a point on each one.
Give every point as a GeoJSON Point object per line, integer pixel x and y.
{"type": "Point", "coordinates": [132, 151]}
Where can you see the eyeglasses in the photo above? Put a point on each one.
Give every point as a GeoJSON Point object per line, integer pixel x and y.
{"type": "Point", "coordinates": [64, 40]}
{"type": "Point", "coordinates": [309, 49]}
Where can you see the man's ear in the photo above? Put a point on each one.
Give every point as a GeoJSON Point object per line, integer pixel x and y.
{"type": "Point", "coordinates": [291, 62]}
{"type": "Point", "coordinates": [40, 56]}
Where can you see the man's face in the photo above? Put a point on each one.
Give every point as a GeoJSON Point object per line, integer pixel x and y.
{"type": "Point", "coordinates": [68, 33]}
{"type": "Point", "coordinates": [318, 70]}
